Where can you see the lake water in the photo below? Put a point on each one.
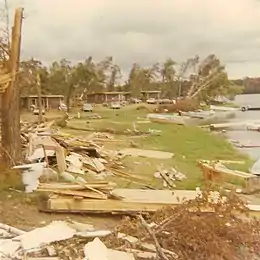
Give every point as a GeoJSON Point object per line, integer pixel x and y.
{"type": "Point", "coordinates": [244, 136]}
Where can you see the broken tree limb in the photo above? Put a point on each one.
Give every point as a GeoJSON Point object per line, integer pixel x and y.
{"type": "Point", "coordinates": [155, 240]}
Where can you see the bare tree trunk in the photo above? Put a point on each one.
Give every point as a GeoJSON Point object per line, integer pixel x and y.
{"type": "Point", "coordinates": [210, 79]}
{"type": "Point", "coordinates": [69, 94]}
{"type": "Point", "coordinates": [39, 93]}
{"type": "Point", "coordinates": [11, 140]}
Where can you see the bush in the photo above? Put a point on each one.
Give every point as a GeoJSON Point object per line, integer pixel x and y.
{"type": "Point", "coordinates": [184, 105]}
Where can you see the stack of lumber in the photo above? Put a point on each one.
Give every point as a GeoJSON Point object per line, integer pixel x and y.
{"type": "Point", "coordinates": [117, 201]}
{"type": "Point", "coordinates": [94, 190]}
{"type": "Point", "coordinates": [74, 155]}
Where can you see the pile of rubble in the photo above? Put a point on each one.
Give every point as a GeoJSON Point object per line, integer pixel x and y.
{"type": "Point", "coordinates": [69, 154]}
{"type": "Point", "coordinates": [169, 177]}
{"type": "Point", "coordinates": [208, 227]}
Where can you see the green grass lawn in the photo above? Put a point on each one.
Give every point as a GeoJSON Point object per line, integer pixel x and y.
{"type": "Point", "coordinates": [188, 144]}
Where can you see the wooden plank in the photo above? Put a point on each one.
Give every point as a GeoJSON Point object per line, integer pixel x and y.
{"type": "Point", "coordinates": [68, 186]}
{"type": "Point", "coordinates": [60, 156]}
{"type": "Point", "coordinates": [125, 174]}
{"type": "Point", "coordinates": [164, 197]}
{"type": "Point", "coordinates": [61, 204]}
{"type": "Point", "coordinates": [83, 194]}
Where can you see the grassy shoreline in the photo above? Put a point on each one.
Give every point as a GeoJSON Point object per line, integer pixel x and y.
{"type": "Point", "coordinates": [188, 143]}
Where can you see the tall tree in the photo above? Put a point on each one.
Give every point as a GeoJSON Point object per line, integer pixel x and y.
{"type": "Point", "coordinates": [184, 69]}
{"type": "Point", "coordinates": [27, 78]}
{"type": "Point", "coordinates": [115, 75]}
{"type": "Point", "coordinates": [210, 81]}
{"type": "Point", "coordinates": [168, 74]}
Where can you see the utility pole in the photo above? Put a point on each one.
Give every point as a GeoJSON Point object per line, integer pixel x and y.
{"type": "Point", "coordinates": [10, 112]}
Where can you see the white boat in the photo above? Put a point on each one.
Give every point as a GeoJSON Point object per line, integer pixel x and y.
{"type": "Point", "coordinates": [222, 108]}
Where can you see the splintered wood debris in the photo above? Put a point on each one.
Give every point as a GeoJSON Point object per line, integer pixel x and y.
{"type": "Point", "coordinates": [182, 232]}
{"type": "Point", "coordinates": [75, 158]}
{"type": "Point", "coordinates": [40, 243]}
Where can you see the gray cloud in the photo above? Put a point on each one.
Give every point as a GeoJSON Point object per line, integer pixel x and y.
{"type": "Point", "coordinates": [144, 31]}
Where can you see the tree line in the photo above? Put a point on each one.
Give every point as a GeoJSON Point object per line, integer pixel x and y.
{"type": "Point", "coordinates": [249, 85]}
{"type": "Point", "coordinates": [195, 78]}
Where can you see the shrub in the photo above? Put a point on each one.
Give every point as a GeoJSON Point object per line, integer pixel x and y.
{"type": "Point", "coordinates": [184, 105]}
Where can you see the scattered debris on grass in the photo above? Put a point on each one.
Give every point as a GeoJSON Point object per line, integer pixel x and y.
{"type": "Point", "coordinates": [169, 177]}
{"type": "Point", "coordinates": [93, 116]}
{"type": "Point", "coordinates": [210, 226]}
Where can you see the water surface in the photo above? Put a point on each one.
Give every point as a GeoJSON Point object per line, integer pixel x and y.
{"type": "Point", "coordinates": [242, 135]}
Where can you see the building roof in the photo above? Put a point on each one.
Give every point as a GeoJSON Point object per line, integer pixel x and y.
{"type": "Point", "coordinates": [151, 91]}
{"type": "Point", "coordinates": [43, 96]}
{"type": "Point", "coordinates": [109, 93]}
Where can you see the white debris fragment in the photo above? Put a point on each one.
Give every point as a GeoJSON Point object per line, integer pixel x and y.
{"type": "Point", "coordinates": [95, 250]}
{"type": "Point", "coordinates": [75, 163]}
{"type": "Point", "coordinates": [67, 176]}
{"type": "Point", "coordinates": [80, 227]}
{"type": "Point", "coordinates": [199, 192]}
{"type": "Point", "coordinates": [11, 230]}
{"type": "Point", "coordinates": [39, 154]}
{"type": "Point", "coordinates": [94, 233]}
{"type": "Point", "coordinates": [157, 175]}
{"type": "Point", "coordinates": [125, 237]}
{"type": "Point", "coordinates": [56, 231]}
{"type": "Point", "coordinates": [75, 159]}
{"type": "Point", "coordinates": [31, 174]}
{"type": "Point", "coordinates": [169, 176]}
{"type": "Point", "coordinates": [8, 249]}
{"type": "Point", "coordinates": [213, 197]}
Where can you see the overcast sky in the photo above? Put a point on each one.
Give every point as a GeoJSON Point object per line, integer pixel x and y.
{"type": "Point", "coordinates": [143, 31]}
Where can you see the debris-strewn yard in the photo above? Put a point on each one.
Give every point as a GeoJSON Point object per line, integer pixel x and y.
{"type": "Point", "coordinates": [123, 129]}
{"type": "Point", "coordinates": [96, 167]}
{"type": "Point", "coordinates": [188, 144]}
{"type": "Point", "coordinates": [211, 226]}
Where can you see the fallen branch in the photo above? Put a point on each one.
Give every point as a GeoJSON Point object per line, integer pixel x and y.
{"type": "Point", "coordinates": [156, 243]}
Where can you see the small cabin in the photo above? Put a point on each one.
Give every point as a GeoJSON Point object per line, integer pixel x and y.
{"type": "Point", "coordinates": [107, 97]}
{"type": "Point", "coordinates": [150, 94]}
{"type": "Point", "coordinates": [48, 101]}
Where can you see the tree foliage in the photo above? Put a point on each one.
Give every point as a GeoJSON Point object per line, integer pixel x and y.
{"type": "Point", "coordinates": [193, 78]}
{"type": "Point", "coordinates": [248, 85]}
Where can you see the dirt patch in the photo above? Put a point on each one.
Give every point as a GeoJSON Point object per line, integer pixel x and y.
{"type": "Point", "coordinates": [20, 210]}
